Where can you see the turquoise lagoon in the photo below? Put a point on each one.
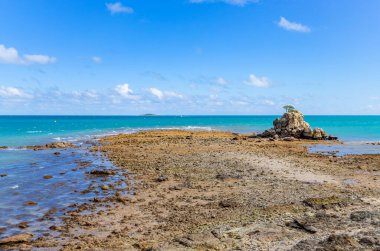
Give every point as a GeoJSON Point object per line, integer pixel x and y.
{"type": "Point", "coordinates": [28, 130]}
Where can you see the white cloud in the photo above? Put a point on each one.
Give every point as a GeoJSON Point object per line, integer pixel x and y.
{"type": "Point", "coordinates": [172, 94]}
{"type": "Point", "coordinates": [39, 59]}
{"type": "Point", "coordinates": [257, 81]}
{"type": "Point", "coordinates": [291, 26]}
{"type": "Point", "coordinates": [11, 56]}
{"type": "Point", "coordinates": [123, 90]}
{"type": "Point", "coordinates": [13, 92]}
{"type": "Point", "coordinates": [91, 94]}
{"type": "Point", "coordinates": [164, 94]}
{"type": "Point", "coordinates": [156, 92]}
{"type": "Point", "coordinates": [232, 2]}
{"type": "Point", "coordinates": [269, 102]}
{"type": "Point", "coordinates": [118, 7]}
{"type": "Point", "coordinates": [96, 59]}
{"type": "Point", "coordinates": [239, 102]}
{"type": "Point", "coordinates": [87, 94]}
{"type": "Point", "coordinates": [220, 81]}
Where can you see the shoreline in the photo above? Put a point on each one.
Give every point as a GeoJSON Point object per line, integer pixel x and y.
{"type": "Point", "coordinates": [216, 190]}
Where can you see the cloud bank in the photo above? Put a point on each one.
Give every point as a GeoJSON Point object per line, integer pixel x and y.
{"type": "Point", "coordinates": [11, 56]}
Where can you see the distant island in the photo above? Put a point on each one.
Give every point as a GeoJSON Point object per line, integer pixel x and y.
{"type": "Point", "coordinates": [149, 114]}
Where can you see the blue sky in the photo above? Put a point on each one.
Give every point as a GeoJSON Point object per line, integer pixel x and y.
{"type": "Point", "coordinates": [189, 56]}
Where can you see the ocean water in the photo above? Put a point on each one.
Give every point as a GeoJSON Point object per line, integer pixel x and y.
{"type": "Point", "coordinates": [29, 130]}
{"type": "Point", "coordinates": [22, 171]}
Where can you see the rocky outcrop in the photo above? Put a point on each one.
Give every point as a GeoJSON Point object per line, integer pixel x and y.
{"type": "Point", "coordinates": [293, 125]}
{"type": "Point", "coordinates": [56, 145]}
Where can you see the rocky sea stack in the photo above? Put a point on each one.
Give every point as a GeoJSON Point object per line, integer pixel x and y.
{"type": "Point", "coordinates": [293, 125]}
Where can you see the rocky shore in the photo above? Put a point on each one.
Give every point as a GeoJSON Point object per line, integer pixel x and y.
{"type": "Point", "coordinates": [224, 191]}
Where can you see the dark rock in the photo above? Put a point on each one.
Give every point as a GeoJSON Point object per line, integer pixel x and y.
{"type": "Point", "coordinates": [324, 202]}
{"type": "Point", "coordinates": [3, 147]}
{"type": "Point", "coordinates": [23, 225]}
{"type": "Point", "coordinates": [56, 145]}
{"type": "Point", "coordinates": [268, 134]}
{"type": "Point", "coordinates": [252, 136]}
{"type": "Point", "coordinates": [30, 203]}
{"type": "Point", "coordinates": [225, 176]}
{"type": "Point", "coordinates": [332, 138]}
{"type": "Point", "coordinates": [306, 245]}
{"type": "Point", "coordinates": [57, 153]}
{"type": "Point", "coordinates": [162, 178]}
{"type": "Point", "coordinates": [3, 175]}
{"type": "Point", "coordinates": [369, 241]}
{"type": "Point", "coordinates": [303, 226]}
{"type": "Point", "coordinates": [361, 215]}
{"type": "Point", "coordinates": [48, 177]}
{"type": "Point", "coordinates": [289, 139]}
{"type": "Point", "coordinates": [228, 203]}
{"type": "Point", "coordinates": [340, 242]}
{"type": "Point", "coordinates": [55, 228]}
{"type": "Point", "coordinates": [184, 242]}
{"type": "Point", "coordinates": [102, 172]}
{"type": "Point", "coordinates": [16, 239]}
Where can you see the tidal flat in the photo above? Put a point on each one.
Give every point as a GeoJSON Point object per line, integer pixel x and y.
{"type": "Point", "coordinates": [197, 190]}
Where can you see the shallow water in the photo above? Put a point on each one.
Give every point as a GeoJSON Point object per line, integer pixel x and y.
{"type": "Point", "coordinates": [25, 170]}
{"type": "Point", "coordinates": [347, 148]}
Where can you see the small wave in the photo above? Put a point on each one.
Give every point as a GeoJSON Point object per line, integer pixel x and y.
{"type": "Point", "coordinates": [15, 187]}
{"type": "Point", "coordinates": [196, 128]}
{"type": "Point", "coordinates": [32, 132]}
{"type": "Point", "coordinates": [15, 149]}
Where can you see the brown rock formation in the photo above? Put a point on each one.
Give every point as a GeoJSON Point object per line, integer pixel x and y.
{"type": "Point", "coordinates": [293, 124]}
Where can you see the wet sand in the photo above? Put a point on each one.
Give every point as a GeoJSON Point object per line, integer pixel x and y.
{"type": "Point", "coordinates": [223, 191]}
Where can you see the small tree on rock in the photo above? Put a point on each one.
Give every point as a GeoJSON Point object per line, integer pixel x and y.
{"type": "Point", "coordinates": [289, 108]}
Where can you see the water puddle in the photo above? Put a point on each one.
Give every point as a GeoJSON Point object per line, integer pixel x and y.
{"type": "Point", "coordinates": [348, 148]}
{"type": "Point", "coordinates": [39, 187]}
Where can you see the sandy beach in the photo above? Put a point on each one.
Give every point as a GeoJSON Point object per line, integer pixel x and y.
{"type": "Point", "coordinates": [192, 190]}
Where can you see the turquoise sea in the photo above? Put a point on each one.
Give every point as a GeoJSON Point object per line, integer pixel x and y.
{"type": "Point", "coordinates": [29, 130]}
{"type": "Point", "coordinates": [22, 171]}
